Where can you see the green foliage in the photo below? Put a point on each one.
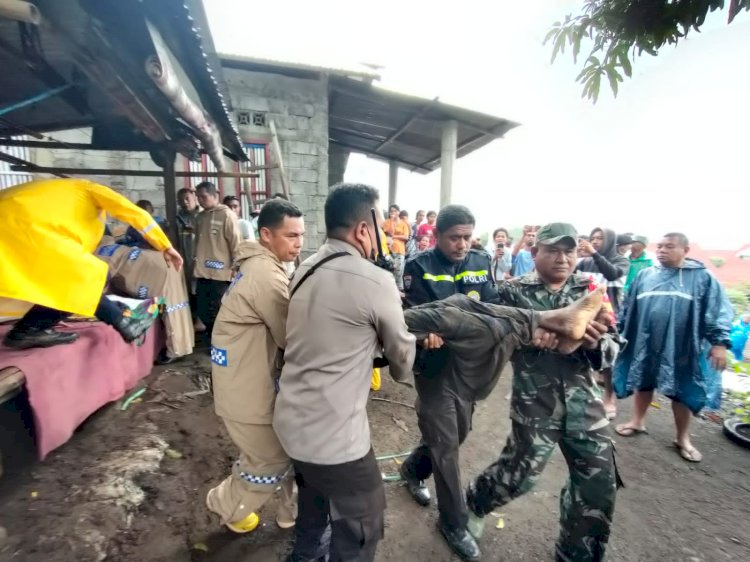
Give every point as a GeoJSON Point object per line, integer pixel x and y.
{"type": "Point", "coordinates": [739, 300]}
{"type": "Point", "coordinates": [740, 400]}
{"type": "Point", "coordinates": [620, 29]}
{"type": "Point", "coordinates": [717, 261]}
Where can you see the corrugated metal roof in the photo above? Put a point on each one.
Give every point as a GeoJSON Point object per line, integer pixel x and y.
{"type": "Point", "coordinates": [109, 39]}
{"type": "Point", "coordinates": [260, 64]}
{"type": "Point", "coordinates": [407, 129]}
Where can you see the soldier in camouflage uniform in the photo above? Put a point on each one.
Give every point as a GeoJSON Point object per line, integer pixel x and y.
{"type": "Point", "coordinates": [555, 401]}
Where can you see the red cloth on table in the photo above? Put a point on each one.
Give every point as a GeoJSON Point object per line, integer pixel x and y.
{"type": "Point", "coordinates": [68, 383]}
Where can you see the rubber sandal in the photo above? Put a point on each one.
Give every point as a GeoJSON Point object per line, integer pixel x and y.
{"type": "Point", "coordinates": [626, 430]}
{"type": "Point", "coordinates": [690, 455]}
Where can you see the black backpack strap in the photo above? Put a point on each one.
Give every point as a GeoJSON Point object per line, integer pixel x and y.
{"type": "Point", "coordinates": [310, 271]}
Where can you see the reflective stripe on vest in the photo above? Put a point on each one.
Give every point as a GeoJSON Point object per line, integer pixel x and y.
{"type": "Point", "coordinates": [431, 277]}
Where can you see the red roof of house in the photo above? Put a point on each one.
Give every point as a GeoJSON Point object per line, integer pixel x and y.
{"type": "Point", "coordinates": [734, 270]}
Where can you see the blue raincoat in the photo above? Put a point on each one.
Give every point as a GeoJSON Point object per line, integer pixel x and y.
{"type": "Point", "coordinates": [670, 319]}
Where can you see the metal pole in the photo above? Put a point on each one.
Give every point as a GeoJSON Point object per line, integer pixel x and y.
{"type": "Point", "coordinates": [33, 169]}
{"type": "Point", "coordinates": [447, 160]}
{"type": "Point", "coordinates": [34, 99]}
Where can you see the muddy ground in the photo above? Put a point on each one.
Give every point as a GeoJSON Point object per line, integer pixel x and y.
{"type": "Point", "coordinates": [130, 487]}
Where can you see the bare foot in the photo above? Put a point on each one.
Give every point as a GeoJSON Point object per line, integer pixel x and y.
{"type": "Point", "coordinates": [572, 320]}
{"type": "Point", "coordinates": [568, 345]}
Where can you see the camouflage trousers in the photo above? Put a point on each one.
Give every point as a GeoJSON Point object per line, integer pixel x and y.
{"type": "Point", "coordinates": [587, 501]}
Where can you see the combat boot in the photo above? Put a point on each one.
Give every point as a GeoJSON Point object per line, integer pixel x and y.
{"type": "Point", "coordinates": [131, 328]}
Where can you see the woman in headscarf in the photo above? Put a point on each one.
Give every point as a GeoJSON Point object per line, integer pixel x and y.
{"type": "Point", "coordinates": [600, 257]}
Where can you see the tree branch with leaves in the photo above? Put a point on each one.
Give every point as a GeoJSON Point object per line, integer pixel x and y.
{"type": "Point", "coordinates": [621, 29]}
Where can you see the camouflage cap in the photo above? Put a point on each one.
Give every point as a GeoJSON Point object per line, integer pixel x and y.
{"type": "Point", "coordinates": [557, 232]}
{"type": "Point", "coordinates": [642, 239]}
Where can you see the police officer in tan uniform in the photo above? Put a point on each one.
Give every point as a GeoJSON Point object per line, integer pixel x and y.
{"type": "Point", "coordinates": [142, 274]}
{"type": "Point", "coordinates": [217, 241]}
{"type": "Point", "coordinates": [249, 331]}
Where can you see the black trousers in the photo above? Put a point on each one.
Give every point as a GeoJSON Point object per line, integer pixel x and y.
{"type": "Point", "coordinates": [208, 293]}
{"type": "Point", "coordinates": [349, 498]}
{"type": "Point", "coordinates": [445, 421]}
{"type": "Point", "coordinates": [42, 318]}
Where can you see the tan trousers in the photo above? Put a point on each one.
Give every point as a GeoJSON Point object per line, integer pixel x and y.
{"type": "Point", "coordinates": [262, 467]}
{"type": "Point", "coordinates": [178, 322]}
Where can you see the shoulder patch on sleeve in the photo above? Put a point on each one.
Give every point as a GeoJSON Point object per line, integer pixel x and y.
{"type": "Point", "coordinates": [219, 356]}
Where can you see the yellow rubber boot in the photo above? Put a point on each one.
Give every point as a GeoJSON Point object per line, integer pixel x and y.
{"type": "Point", "coordinates": [375, 382]}
{"type": "Point", "coordinates": [246, 525]}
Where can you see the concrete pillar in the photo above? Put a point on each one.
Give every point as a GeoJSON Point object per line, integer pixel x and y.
{"type": "Point", "coordinates": [338, 158]}
{"type": "Point", "coordinates": [447, 159]}
{"type": "Point", "coordinates": [392, 182]}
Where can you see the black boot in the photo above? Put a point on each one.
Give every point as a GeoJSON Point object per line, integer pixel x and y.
{"type": "Point", "coordinates": [132, 328]}
{"type": "Point", "coordinates": [164, 359]}
{"type": "Point", "coordinates": [30, 337]}
{"type": "Point", "coordinates": [462, 543]}
{"type": "Point", "coordinates": [416, 487]}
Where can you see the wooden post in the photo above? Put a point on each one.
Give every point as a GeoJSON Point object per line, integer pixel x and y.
{"type": "Point", "coordinates": [279, 158]}
{"type": "Point", "coordinates": [447, 160]}
{"type": "Point", "coordinates": [170, 195]}
{"type": "Point", "coordinates": [392, 182]}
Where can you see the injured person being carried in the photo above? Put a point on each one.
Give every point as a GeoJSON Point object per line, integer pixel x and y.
{"type": "Point", "coordinates": [142, 274]}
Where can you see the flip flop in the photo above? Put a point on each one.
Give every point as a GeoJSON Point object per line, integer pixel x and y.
{"type": "Point", "coordinates": [691, 455]}
{"type": "Point", "coordinates": [626, 430]}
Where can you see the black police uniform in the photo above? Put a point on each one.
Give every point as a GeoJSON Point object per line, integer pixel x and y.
{"type": "Point", "coordinates": [444, 416]}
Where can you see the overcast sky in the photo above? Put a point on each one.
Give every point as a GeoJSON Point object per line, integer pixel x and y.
{"type": "Point", "coordinates": [669, 153]}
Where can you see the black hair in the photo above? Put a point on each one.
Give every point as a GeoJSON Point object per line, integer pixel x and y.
{"type": "Point", "coordinates": [394, 206]}
{"type": "Point", "coordinates": [452, 215]}
{"type": "Point", "coordinates": [422, 237]}
{"type": "Point", "coordinates": [498, 230]}
{"type": "Point", "coordinates": [280, 196]}
{"type": "Point", "coordinates": [144, 203]}
{"type": "Point", "coordinates": [403, 214]}
{"type": "Point", "coordinates": [431, 213]}
{"type": "Point", "coordinates": [347, 204]}
{"type": "Point", "coordinates": [185, 190]}
{"type": "Point", "coordinates": [682, 240]}
{"type": "Point", "coordinates": [229, 198]}
{"type": "Point", "coordinates": [208, 186]}
{"type": "Point", "coordinates": [273, 212]}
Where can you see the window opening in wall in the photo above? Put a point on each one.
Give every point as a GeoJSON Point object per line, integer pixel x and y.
{"type": "Point", "coordinates": [243, 118]}
{"type": "Point", "coordinates": [9, 178]}
{"type": "Point", "coordinates": [255, 190]}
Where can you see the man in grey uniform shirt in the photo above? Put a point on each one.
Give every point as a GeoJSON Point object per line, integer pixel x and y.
{"type": "Point", "coordinates": [344, 312]}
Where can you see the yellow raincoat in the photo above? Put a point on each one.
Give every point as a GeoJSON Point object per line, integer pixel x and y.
{"type": "Point", "coordinates": [50, 229]}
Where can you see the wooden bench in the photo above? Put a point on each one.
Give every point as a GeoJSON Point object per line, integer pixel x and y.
{"type": "Point", "coordinates": [12, 380]}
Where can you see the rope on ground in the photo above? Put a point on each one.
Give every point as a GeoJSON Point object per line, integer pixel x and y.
{"type": "Point", "coordinates": [393, 402]}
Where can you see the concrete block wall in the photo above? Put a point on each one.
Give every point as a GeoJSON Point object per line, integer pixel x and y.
{"type": "Point", "coordinates": [134, 188]}
{"type": "Point", "coordinates": [299, 109]}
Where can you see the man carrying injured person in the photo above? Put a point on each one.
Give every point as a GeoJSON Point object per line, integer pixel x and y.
{"type": "Point", "coordinates": [555, 400]}
{"type": "Point", "coordinates": [479, 340]}
{"type": "Point", "coordinates": [142, 274]}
